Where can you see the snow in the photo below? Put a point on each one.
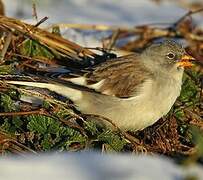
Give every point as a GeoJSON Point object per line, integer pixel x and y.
{"type": "Point", "coordinates": [94, 166]}
{"type": "Point", "coordinates": [128, 12]}
{"type": "Point", "coordinates": [114, 12]}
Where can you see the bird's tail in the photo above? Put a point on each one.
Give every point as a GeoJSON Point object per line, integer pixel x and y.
{"type": "Point", "coordinates": [72, 94]}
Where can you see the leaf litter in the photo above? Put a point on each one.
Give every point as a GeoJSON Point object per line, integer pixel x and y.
{"type": "Point", "coordinates": [56, 125]}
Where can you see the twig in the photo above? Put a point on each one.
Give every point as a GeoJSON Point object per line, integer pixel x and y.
{"type": "Point", "coordinates": [53, 42]}
{"type": "Point", "coordinates": [5, 48]}
{"type": "Point", "coordinates": [9, 139]}
{"type": "Point", "coordinates": [112, 41]}
{"type": "Point", "coordinates": [34, 10]}
{"type": "Point", "coordinates": [189, 13]}
{"type": "Point", "coordinates": [41, 59]}
{"type": "Point", "coordinates": [40, 111]}
{"type": "Point", "coordinates": [41, 21]}
{"type": "Point", "coordinates": [100, 27]}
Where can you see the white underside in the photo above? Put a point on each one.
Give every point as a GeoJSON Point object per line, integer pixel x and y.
{"type": "Point", "coordinates": [135, 113]}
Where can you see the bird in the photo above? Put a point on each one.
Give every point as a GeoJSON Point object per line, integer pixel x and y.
{"type": "Point", "coordinates": [133, 91]}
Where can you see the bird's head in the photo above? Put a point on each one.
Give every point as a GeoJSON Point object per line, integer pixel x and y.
{"type": "Point", "coordinates": [167, 55]}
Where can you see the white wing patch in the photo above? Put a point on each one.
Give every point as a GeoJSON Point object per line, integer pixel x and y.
{"type": "Point", "coordinates": [79, 80]}
{"type": "Point", "coordinates": [97, 85]}
{"type": "Point", "coordinates": [83, 82]}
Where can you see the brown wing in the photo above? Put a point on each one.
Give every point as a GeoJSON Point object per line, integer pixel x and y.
{"type": "Point", "coordinates": [121, 77]}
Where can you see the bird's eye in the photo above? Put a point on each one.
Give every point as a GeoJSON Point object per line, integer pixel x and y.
{"type": "Point", "coordinates": [170, 55]}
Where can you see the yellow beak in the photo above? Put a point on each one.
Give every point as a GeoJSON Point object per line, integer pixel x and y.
{"type": "Point", "coordinates": [186, 61]}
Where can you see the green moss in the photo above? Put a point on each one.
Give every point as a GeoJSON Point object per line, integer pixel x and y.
{"type": "Point", "coordinates": [32, 48]}
{"type": "Point", "coordinates": [189, 90]}
{"type": "Point", "coordinates": [53, 134]}
{"type": "Point", "coordinates": [47, 142]}
{"type": "Point", "coordinates": [64, 113]}
{"type": "Point", "coordinates": [198, 140]}
{"type": "Point", "coordinates": [6, 69]}
{"type": "Point", "coordinates": [7, 103]}
{"type": "Point", "coordinates": [115, 141]}
{"type": "Point", "coordinates": [56, 30]}
{"type": "Point", "coordinates": [6, 125]}
{"type": "Point", "coordinates": [41, 124]}
{"type": "Point", "coordinates": [46, 105]}
{"type": "Point", "coordinates": [17, 122]}
{"type": "Point", "coordinates": [91, 127]}
{"type": "Point", "coordinates": [179, 113]}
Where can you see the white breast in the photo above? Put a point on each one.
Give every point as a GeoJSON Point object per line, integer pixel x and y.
{"type": "Point", "coordinates": [138, 112]}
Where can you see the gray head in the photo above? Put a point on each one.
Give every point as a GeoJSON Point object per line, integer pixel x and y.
{"type": "Point", "coordinates": [165, 56]}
